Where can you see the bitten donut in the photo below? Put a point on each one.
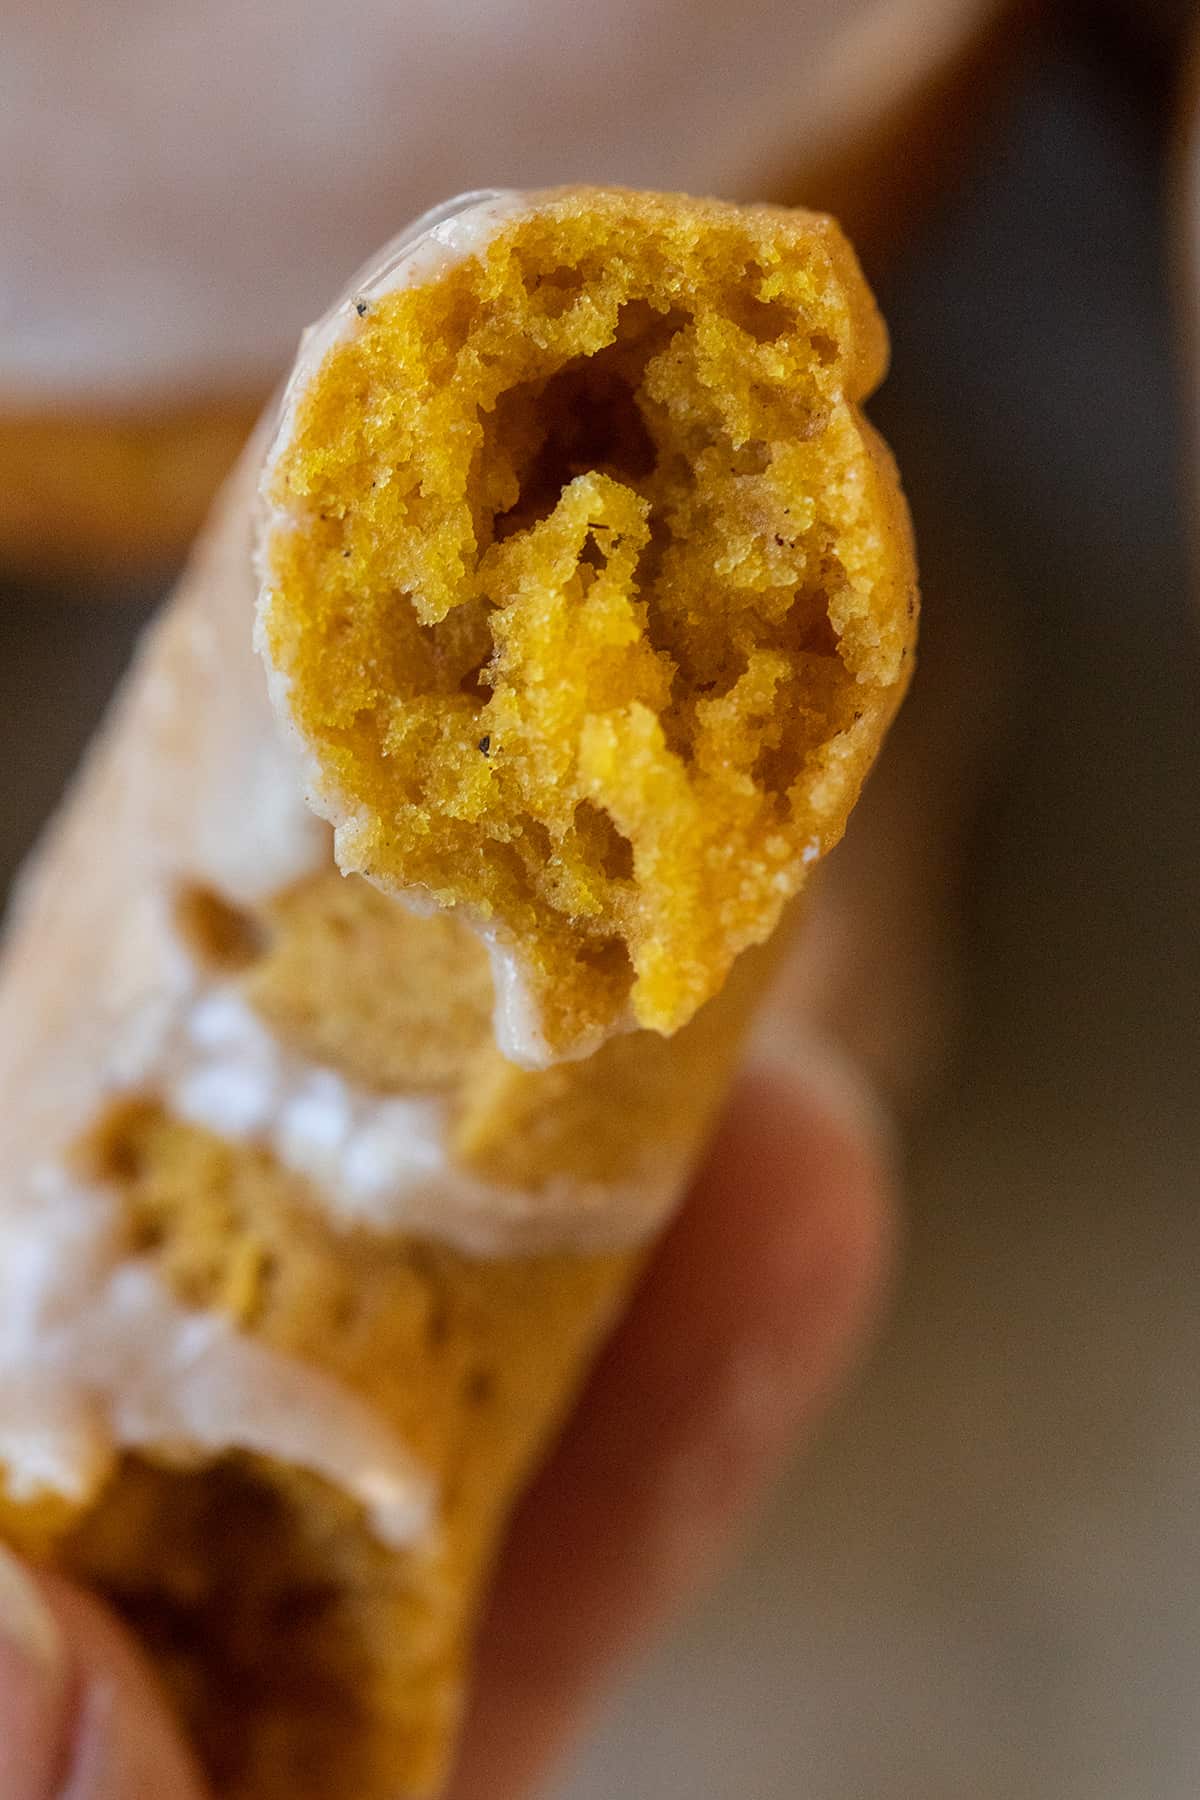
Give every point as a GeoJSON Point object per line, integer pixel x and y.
{"type": "Point", "coordinates": [367, 1006]}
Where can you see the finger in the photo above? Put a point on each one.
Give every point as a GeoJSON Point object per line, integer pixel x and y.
{"type": "Point", "coordinates": [749, 1315]}
{"type": "Point", "coordinates": [81, 1716]}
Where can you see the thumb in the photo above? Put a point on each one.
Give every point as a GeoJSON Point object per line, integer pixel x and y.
{"type": "Point", "coordinates": [751, 1312]}
{"type": "Point", "coordinates": [81, 1715]}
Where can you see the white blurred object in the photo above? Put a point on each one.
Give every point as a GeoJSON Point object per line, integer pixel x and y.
{"type": "Point", "coordinates": [185, 185]}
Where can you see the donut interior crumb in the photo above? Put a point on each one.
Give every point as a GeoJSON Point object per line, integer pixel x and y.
{"type": "Point", "coordinates": [595, 593]}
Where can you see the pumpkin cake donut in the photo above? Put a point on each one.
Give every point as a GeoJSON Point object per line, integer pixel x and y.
{"type": "Point", "coordinates": [369, 1002]}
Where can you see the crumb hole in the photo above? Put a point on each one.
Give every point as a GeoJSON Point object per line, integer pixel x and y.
{"type": "Point", "coordinates": [556, 291]}
{"type": "Point", "coordinates": [460, 647]}
{"type": "Point", "coordinates": [592, 556]}
{"type": "Point", "coordinates": [148, 1235]}
{"type": "Point", "coordinates": [480, 1387]}
{"type": "Point", "coordinates": [437, 1325]}
{"type": "Point", "coordinates": [302, 1608]}
{"type": "Point", "coordinates": [344, 1310]}
{"type": "Point", "coordinates": [820, 639]}
{"type": "Point", "coordinates": [806, 628]}
{"type": "Point", "coordinates": [778, 767]}
{"type": "Point", "coordinates": [603, 843]}
{"type": "Point", "coordinates": [763, 320]}
{"type": "Point", "coordinates": [535, 842]}
{"type": "Point", "coordinates": [221, 937]}
{"type": "Point", "coordinates": [591, 422]}
{"type": "Point", "coordinates": [113, 1150]}
{"type": "Point", "coordinates": [753, 458]}
{"type": "Point", "coordinates": [610, 958]}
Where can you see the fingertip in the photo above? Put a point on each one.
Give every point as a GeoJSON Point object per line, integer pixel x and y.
{"type": "Point", "coordinates": [827, 1143]}
{"type": "Point", "coordinates": [82, 1716]}
{"type": "Point", "coordinates": [751, 1311]}
{"type": "Point", "coordinates": [766, 1288]}
{"type": "Point", "coordinates": [126, 1741]}
{"type": "Point", "coordinates": [35, 1686]}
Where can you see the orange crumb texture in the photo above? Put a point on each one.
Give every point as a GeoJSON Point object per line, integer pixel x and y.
{"type": "Point", "coordinates": [596, 590]}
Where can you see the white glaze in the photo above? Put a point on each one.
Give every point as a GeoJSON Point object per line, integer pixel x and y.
{"type": "Point", "coordinates": [189, 782]}
{"type": "Point", "coordinates": [378, 1160]}
{"type": "Point", "coordinates": [96, 1355]}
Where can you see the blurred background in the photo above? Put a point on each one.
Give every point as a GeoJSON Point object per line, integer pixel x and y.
{"type": "Point", "coordinates": [986, 1580]}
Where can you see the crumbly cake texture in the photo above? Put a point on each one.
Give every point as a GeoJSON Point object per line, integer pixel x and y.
{"type": "Point", "coordinates": [593, 591]}
{"type": "Point", "coordinates": [310, 1657]}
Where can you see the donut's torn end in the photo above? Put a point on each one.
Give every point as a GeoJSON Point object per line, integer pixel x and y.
{"type": "Point", "coordinates": [591, 592]}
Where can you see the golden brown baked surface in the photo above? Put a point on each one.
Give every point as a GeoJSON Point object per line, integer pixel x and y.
{"type": "Point", "coordinates": [593, 590]}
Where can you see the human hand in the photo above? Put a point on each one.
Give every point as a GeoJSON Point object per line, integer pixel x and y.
{"type": "Point", "coordinates": [750, 1317]}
